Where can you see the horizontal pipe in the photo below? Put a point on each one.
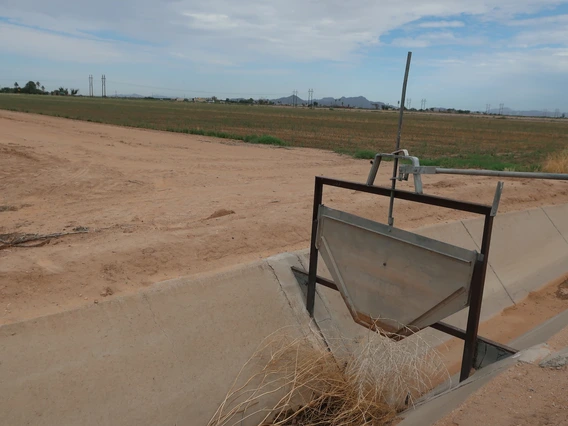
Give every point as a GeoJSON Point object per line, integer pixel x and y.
{"type": "Point", "coordinates": [530, 175]}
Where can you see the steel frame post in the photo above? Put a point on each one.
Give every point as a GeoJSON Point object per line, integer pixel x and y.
{"type": "Point", "coordinates": [311, 298]}
{"type": "Point", "coordinates": [476, 299]}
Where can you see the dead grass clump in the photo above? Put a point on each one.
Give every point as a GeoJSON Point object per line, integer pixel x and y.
{"type": "Point", "coordinates": [556, 162]}
{"type": "Point", "coordinates": [300, 382]}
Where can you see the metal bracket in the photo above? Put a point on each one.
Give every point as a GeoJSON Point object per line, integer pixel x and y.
{"type": "Point", "coordinates": [401, 154]}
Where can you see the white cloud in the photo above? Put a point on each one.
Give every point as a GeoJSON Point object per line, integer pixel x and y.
{"type": "Point", "coordinates": [539, 62]}
{"type": "Point", "coordinates": [437, 39]}
{"type": "Point", "coordinates": [58, 47]}
{"type": "Point", "coordinates": [551, 36]}
{"type": "Point", "coordinates": [542, 21]}
{"type": "Point", "coordinates": [442, 24]}
{"type": "Point", "coordinates": [249, 30]}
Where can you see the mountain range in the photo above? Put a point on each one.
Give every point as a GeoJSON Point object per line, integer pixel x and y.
{"type": "Point", "coordinates": [354, 102]}
{"type": "Point", "coordinates": [529, 113]}
{"type": "Point", "coordinates": [363, 102]}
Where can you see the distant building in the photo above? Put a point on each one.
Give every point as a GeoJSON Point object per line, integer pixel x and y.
{"type": "Point", "coordinates": [200, 99]}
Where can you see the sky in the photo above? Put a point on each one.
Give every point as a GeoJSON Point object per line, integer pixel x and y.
{"type": "Point", "coordinates": [466, 53]}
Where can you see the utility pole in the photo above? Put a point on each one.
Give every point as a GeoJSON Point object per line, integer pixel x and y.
{"type": "Point", "coordinates": [556, 113]}
{"type": "Point", "coordinates": [310, 98]}
{"type": "Point", "coordinates": [294, 98]}
{"type": "Point", "coordinates": [423, 104]}
{"type": "Point", "coordinates": [501, 106]}
{"type": "Point", "coordinates": [103, 88]}
{"type": "Point", "coordinates": [91, 89]}
{"type": "Point", "coordinates": [487, 108]}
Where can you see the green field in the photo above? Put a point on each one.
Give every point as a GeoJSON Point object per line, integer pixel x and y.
{"type": "Point", "coordinates": [442, 139]}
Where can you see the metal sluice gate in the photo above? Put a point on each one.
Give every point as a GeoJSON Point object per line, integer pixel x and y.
{"type": "Point", "coordinates": [397, 282]}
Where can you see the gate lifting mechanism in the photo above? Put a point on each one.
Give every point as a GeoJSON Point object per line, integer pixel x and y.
{"type": "Point", "coordinates": [397, 282]}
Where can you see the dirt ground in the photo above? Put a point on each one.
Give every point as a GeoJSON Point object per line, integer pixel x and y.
{"type": "Point", "coordinates": [524, 395]}
{"type": "Point", "coordinates": [161, 205]}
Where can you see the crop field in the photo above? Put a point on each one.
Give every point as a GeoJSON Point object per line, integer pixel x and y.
{"type": "Point", "coordinates": [442, 139]}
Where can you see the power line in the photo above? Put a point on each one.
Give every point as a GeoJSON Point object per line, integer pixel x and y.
{"type": "Point", "coordinates": [408, 103]}
{"type": "Point", "coordinates": [194, 91]}
{"type": "Point", "coordinates": [294, 98]}
{"type": "Point", "coordinates": [91, 89]}
{"type": "Point", "coordinates": [310, 98]}
{"type": "Point", "coordinates": [103, 88]}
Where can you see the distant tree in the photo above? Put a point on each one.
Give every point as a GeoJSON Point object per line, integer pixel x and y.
{"type": "Point", "coordinates": [37, 84]}
{"type": "Point", "coordinates": [16, 85]}
{"type": "Point", "coordinates": [564, 115]}
{"type": "Point", "coordinates": [43, 88]}
{"type": "Point", "coordinates": [30, 88]}
{"type": "Point", "coordinates": [74, 92]}
{"type": "Point", "coordinates": [315, 103]}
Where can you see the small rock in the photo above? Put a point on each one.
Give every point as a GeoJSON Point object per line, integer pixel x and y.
{"type": "Point", "coordinates": [107, 292]}
{"type": "Point", "coordinates": [557, 362]}
{"type": "Point", "coordinates": [96, 302]}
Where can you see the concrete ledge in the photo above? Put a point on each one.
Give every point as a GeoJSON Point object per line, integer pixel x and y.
{"type": "Point", "coordinates": [527, 250]}
{"type": "Point", "coordinates": [533, 349]}
{"type": "Point", "coordinates": [163, 357]}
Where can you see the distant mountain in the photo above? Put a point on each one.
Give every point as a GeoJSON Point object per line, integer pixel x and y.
{"type": "Point", "coordinates": [289, 100]}
{"type": "Point", "coordinates": [353, 102]}
{"type": "Point", "coordinates": [528, 113]}
{"type": "Point", "coordinates": [133, 95]}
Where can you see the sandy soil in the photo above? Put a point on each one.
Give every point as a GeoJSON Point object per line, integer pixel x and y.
{"type": "Point", "coordinates": [159, 205]}
{"type": "Point", "coordinates": [524, 395]}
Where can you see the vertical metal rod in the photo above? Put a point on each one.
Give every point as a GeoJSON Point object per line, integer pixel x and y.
{"type": "Point", "coordinates": [395, 162]}
{"type": "Point", "coordinates": [474, 314]}
{"type": "Point", "coordinates": [312, 273]}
